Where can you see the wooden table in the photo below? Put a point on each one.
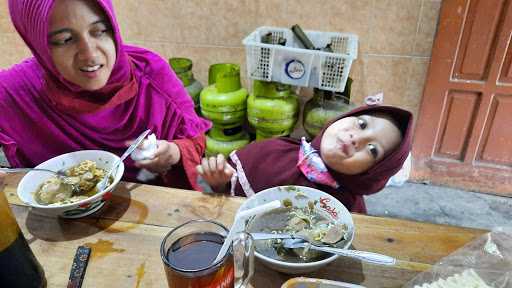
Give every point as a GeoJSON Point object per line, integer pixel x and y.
{"type": "Point", "coordinates": [126, 239]}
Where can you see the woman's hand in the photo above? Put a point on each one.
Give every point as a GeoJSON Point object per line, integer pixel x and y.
{"type": "Point", "coordinates": [166, 155]}
{"type": "Point", "coordinates": [216, 172]}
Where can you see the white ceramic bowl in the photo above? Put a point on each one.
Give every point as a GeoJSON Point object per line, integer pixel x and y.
{"type": "Point", "coordinates": [31, 181]}
{"type": "Point", "coordinates": [300, 196]}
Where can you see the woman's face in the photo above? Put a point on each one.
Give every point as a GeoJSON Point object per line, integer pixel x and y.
{"type": "Point", "coordinates": [81, 43]}
{"type": "Point", "coordinates": [353, 144]}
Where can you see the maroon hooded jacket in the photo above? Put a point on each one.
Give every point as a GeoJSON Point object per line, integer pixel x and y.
{"type": "Point", "coordinates": [273, 162]}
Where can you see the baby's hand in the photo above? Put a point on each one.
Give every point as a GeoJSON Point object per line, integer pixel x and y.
{"type": "Point", "coordinates": [216, 172]}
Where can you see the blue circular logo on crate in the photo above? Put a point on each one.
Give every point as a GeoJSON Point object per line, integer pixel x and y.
{"type": "Point", "coordinates": [295, 69]}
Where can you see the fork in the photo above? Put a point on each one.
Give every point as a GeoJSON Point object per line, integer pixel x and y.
{"type": "Point", "coordinates": [103, 183]}
{"type": "Point", "coordinates": [60, 174]}
{"type": "Point", "coordinates": [370, 257]}
{"type": "Point", "coordinates": [20, 170]}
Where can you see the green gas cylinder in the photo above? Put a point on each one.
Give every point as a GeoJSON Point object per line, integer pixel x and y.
{"type": "Point", "coordinates": [183, 69]}
{"type": "Point", "coordinates": [324, 106]}
{"type": "Point", "coordinates": [223, 139]}
{"type": "Point", "coordinates": [272, 109]}
{"type": "Point", "coordinates": [224, 102]}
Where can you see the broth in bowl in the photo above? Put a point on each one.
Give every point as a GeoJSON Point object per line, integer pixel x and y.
{"type": "Point", "coordinates": [305, 222]}
{"type": "Point", "coordinates": [84, 176]}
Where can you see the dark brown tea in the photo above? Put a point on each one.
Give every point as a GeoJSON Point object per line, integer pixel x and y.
{"type": "Point", "coordinates": [191, 258]}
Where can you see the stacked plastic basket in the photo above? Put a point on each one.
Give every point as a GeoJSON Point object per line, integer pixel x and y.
{"type": "Point", "coordinates": [294, 65]}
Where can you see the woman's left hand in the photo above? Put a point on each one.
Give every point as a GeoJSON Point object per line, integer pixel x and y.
{"type": "Point", "coordinates": [166, 155]}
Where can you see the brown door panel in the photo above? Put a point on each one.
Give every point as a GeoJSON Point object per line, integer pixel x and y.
{"type": "Point", "coordinates": [496, 144]}
{"type": "Point", "coordinates": [477, 42]}
{"type": "Point", "coordinates": [457, 124]}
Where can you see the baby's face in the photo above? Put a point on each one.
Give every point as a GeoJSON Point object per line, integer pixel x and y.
{"type": "Point", "coordinates": [354, 144]}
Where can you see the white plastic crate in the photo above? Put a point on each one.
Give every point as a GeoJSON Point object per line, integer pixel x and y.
{"type": "Point", "coordinates": [294, 65]}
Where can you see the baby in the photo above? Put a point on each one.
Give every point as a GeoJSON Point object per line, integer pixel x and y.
{"type": "Point", "coordinates": [355, 154]}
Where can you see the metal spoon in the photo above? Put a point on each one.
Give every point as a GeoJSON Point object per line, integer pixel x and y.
{"type": "Point", "coordinates": [103, 183]}
{"type": "Point", "coordinates": [370, 257]}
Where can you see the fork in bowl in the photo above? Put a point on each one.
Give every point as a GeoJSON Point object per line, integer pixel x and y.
{"type": "Point", "coordinates": [60, 174]}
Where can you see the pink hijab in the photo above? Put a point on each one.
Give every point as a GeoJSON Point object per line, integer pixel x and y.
{"type": "Point", "coordinates": [274, 163]}
{"type": "Point", "coordinates": [44, 115]}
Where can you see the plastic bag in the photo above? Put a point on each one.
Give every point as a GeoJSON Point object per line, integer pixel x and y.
{"type": "Point", "coordinates": [144, 152]}
{"type": "Point", "coordinates": [489, 257]}
{"type": "Point", "coordinates": [402, 175]}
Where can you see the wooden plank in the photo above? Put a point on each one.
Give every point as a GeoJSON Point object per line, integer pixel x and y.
{"type": "Point", "coordinates": [157, 205]}
{"type": "Point", "coordinates": [132, 258]}
{"type": "Point", "coordinates": [125, 259]}
{"type": "Point", "coordinates": [135, 204]}
{"type": "Point", "coordinates": [409, 240]}
{"type": "Point", "coordinates": [127, 235]}
{"type": "Point", "coordinates": [350, 271]}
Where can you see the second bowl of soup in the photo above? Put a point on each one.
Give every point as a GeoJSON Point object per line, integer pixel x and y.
{"type": "Point", "coordinates": [307, 212]}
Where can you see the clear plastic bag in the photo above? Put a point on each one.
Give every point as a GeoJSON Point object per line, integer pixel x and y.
{"type": "Point", "coordinates": [402, 175]}
{"type": "Point", "coordinates": [489, 257]}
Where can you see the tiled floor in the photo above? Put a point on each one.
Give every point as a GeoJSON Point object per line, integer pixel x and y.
{"type": "Point", "coordinates": [442, 205]}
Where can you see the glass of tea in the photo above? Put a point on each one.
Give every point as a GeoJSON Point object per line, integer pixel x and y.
{"type": "Point", "coordinates": [189, 251]}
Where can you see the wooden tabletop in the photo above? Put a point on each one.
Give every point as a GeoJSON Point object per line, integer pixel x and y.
{"type": "Point", "coordinates": [126, 236]}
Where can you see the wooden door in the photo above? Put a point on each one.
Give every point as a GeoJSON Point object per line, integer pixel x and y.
{"type": "Point", "coordinates": [463, 136]}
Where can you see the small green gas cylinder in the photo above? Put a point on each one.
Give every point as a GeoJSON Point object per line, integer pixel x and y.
{"type": "Point", "coordinates": [183, 69]}
{"type": "Point", "coordinates": [324, 106]}
{"type": "Point", "coordinates": [272, 109]}
{"type": "Point", "coordinates": [224, 102]}
{"type": "Point", "coordinates": [223, 139]}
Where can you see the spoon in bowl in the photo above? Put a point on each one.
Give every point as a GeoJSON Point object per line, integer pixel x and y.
{"type": "Point", "coordinates": [240, 218]}
{"type": "Point", "coordinates": [370, 257]}
{"type": "Point", "coordinates": [104, 182]}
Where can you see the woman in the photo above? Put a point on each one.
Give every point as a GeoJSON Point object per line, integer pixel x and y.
{"type": "Point", "coordinates": [354, 155]}
{"type": "Point", "coordinates": [84, 89]}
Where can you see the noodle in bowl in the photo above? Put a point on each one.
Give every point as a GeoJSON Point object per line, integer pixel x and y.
{"type": "Point", "coordinates": [79, 207]}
